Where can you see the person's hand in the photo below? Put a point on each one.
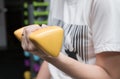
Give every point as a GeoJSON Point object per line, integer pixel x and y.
{"type": "Point", "coordinates": [28, 45]}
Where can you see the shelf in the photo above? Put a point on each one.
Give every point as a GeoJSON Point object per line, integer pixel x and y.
{"type": "Point", "coordinates": [42, 13]}
{"type": "Point", "coordinates": [37, 4]}
{"type": "Point", "coordinates": [40, 4]}
{"type": "Point", "coordinates": [36, 13]}
{"type": "Point", "coordinates": [40, 22]}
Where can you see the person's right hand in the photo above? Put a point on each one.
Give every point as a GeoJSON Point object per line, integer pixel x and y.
{"type": "Point", "coordinates": [28, 45]}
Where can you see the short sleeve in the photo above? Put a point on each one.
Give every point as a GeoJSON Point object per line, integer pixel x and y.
{"type": "Point", "coordinates": [105, 25]}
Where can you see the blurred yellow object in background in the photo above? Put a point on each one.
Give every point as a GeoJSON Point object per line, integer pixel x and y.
{"type": "Point", "coordinates": [27, 75]}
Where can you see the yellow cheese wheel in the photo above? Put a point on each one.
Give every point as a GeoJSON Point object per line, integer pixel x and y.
{"type": "Point", "coordinates": [18, 33]}
{"type": "Point", "coordinates": [49, 39]}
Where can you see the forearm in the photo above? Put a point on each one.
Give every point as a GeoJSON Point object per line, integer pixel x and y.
{"type": "Point", "coordinates": [44, 71]}
{"type": "Point", "coordinates": [78, 70]}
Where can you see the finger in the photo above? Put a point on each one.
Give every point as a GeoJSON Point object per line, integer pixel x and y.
{"type": "Point", "coordinates": [32, 28]}
{"type": "Point", "coordinates": [40, 53]}
{"type": "Point", "coordinates": [44, 25]}
{"type": "Point", "coordinates": [24, 41]}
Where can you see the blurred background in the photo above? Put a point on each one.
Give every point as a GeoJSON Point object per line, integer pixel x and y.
{"type": "Point", "coordinates": [14, 62]}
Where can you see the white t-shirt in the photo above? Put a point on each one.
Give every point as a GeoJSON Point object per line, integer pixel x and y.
{"type": "Point", "coordinates": [90, 27]}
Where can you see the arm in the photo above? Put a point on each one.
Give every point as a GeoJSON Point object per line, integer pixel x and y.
{"type": "Point", "coordinates": [109, 61]}
{"type": "Point", "coordinates": [44, 71]}
{"type": "Point", "coordinates": [77, 70]}
{"type": "Point", "coordinates": [102, 70]}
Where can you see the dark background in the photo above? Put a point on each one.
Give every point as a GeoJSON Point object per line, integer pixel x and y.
{"type": "Point", "coordinates": [11, 57]}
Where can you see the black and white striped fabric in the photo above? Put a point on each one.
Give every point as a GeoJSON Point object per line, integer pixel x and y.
{"type": "Point", "coordinates": [75, 41]}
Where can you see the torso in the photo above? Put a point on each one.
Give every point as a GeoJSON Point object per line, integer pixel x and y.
{"type": "Point", "coordinates": [74, 17]}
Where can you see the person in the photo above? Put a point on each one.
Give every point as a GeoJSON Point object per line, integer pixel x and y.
{"type": "Point", "coordinates": [91, 47]}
